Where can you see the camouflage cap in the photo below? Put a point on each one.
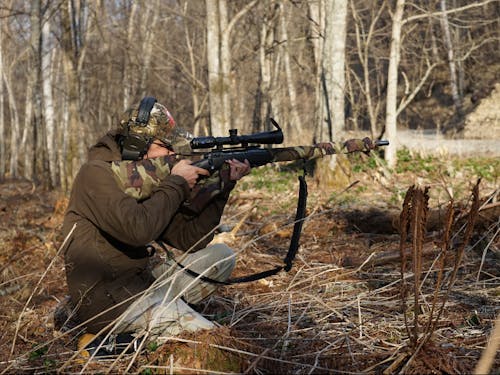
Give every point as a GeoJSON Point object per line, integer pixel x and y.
{"type": "Point", "coordinates": [161, 125]}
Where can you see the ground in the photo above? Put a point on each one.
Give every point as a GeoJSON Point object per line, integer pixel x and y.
{"type": "Point", "coordinates": [347, 305]}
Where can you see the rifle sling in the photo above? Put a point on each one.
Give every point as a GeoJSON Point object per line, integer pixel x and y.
{"type": "Point", "coordinates": [290, 256]}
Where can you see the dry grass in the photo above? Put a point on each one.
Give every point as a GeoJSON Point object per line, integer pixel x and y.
{"type": "Point", "coordinates": [339, 310]}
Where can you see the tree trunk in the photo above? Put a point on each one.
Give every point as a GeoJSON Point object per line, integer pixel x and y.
{"type": "Point", "coordinates": [317, 27]}
{"type": "Point", "coordinates": [130, 51]}
{"type": "Point", "coordinates": [33, 129]}
{"type": "Point", "coordinates": [48, 103]}
{"type": "Point", "coordinates": [263, 106]}
{"type": "Point", "coordinates": [334, 63]}
{"type": "Point", "coordinates": [149, 32]}
{"type": "Point", "coordinates": [295, 130]}
{"type": "Point", "coordinates": [2, 119]}
{"type": "Point", "coordinates": [392, 85]}
{"type": "Point", "coordinates": [454, 85]}
{"type": "Point", "coordinates": [217, 120]}
{"type": "Point", "coordinates": [363, 43]}
{"type": "Point", "coordinates": [199, 125]}
{"type": "Point", "coordinates": [219, 62]}
{"type": "Point", "coordinates": [330, 172]}
{"type": "Point", "coordinates": [14, 130]}
{"type": "Point", "coordinates": [225, 68]}
{"type": "Point", "coordinates": [63, 140]}
{"type": "Point", "coordinates": [73, 134]}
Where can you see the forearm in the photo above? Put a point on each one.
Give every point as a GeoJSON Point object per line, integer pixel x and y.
{"type": "Point", "coordinates": [194, 232]}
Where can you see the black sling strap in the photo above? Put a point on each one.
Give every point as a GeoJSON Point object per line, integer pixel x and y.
{"type": "Point", "coordinates": [290, 256]}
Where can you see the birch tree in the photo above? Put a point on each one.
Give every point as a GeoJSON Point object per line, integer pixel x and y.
{"type": "Point", "coordinates": [32, 138]}
{"type": "Point", "coordinates": [454, 85]}
{"type": "Point", "coordinates": [316, 25]}
{"type": "Point", "coordinates": [295, 129]}
{"type": "Point", "coordinates": [127, 70]}
{"type": "Point", "coordinates": [334, 67]}
{"type": "Point", "coordinates": [392, 84]}
{"type": "Point", "coordinates": [2, 114]}
{"type": "Point", "coordinates": [264, 99]}
{"type": "Point", "coordinates": [364, 51]}
{"type": "Point", "coordinates": [219, 116]}
{"type": "Point", "coordinates": [219, 62]}
{"type": "Point", "coordinates": [48, 102]}
{"type": "Point", "coordinates": [70, 46]}
{"type": "Point", "coordinates": [199, 124]}
{"type": "Point", "coordinates": [10, 145]}
{"type": "Point", "coordinates": [149, 27]}
{"type": "Point", "coordinates": [329, 172]}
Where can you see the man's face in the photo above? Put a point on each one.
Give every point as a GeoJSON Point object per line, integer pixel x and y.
{"type": "Point", "coordinates": [157, 149]}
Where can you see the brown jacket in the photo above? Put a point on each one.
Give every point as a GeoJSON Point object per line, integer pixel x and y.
{"type": "Point", "coordinates": [106, 257]}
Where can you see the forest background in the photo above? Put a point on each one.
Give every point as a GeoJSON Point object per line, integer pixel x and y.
{"type": "Point", "coordinates": [320, 68]}
{"type": "Point", "coordinates": [422, 74]}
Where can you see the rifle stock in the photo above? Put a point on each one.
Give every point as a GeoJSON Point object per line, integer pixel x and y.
{"type": "Point", "coordinates": [258, 157]}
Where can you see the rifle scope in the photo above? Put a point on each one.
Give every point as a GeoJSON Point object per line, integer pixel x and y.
{"type": "Point", "coordinates": [270, 137]}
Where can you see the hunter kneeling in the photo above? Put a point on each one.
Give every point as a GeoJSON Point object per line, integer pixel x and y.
{"type": "Point", "coordinates": [116, 210]}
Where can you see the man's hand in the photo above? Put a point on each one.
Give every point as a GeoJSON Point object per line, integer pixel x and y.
{"type": "Point", "coordinates": [238, 169]}
{"type": "Point", "coordinates": [190, 173]}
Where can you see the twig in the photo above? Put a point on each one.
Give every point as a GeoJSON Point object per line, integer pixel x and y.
{"type": "Point", "coordinates": [360, 319]}
{"type": "Point", "coordinates": [488, 356]}
{"type": "Point", "coordinates": [483, 257]}
{"type": "Point", "coordinates": [18, 324]}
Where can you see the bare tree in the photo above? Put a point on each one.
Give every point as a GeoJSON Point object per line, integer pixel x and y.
{"type": "Point", "coordinates": [33, 128]}
{"type": "Point", "coordinates": [70, 46]}
{"type": "Point", "coordinates": [129, 55]}
{"type": "Point", "coordinates": [48, 103]}
{"type": "Point", "coordinates": [364, 51]}
{"type": "Point", "coordinates": [2, 106]}
{"type": "Point", "coordinates": [454, 81]}
{"type": "Point", "coordinates": [334, 67]}
{"type": "Point", "coordinates": [295, 129]}
{"type": "Point", "coordinates": [150, 25]}
{"type": "Point", "coordinates": [219, 61]}
{"type": "Point", "coordinates": [197, 86]}
{"type": "Point", "coordinates": [392, 84]}
{"type": "Point", "coordinates": [316, 10]}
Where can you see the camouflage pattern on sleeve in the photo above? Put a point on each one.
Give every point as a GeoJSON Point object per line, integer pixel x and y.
{"type": "Point", "coordinates": [303, 152]}
{"type": "Point", "coordinates": [137, 178]}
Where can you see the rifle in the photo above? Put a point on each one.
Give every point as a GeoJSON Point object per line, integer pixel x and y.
{"type": "Point", "coordinates": [138, 177]}
{"type": "Point", "coordinates": [257, 155]}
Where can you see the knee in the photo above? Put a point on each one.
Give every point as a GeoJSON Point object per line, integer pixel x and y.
{"type": "Point", "coordinates": [223, 253]}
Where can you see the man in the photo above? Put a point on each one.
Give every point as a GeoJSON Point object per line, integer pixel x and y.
{"type": "Point", "coordinates": [107, 258]}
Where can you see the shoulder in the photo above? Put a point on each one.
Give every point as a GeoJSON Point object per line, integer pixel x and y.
{"type": "Point", "coordinates": [93, 172]}
{"type": "Point", "coordinates": [93, 166]}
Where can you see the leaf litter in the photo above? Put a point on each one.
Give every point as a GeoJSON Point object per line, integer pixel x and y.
{"type": "Point", "coordinates": [348, 305]}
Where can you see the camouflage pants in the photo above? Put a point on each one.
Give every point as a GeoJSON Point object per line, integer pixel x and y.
{"type": "Point", "coordinates": [161, 312]}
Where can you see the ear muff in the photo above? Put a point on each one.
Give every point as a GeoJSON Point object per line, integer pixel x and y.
{"type": "Point", "coordinates": [135, 146]}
